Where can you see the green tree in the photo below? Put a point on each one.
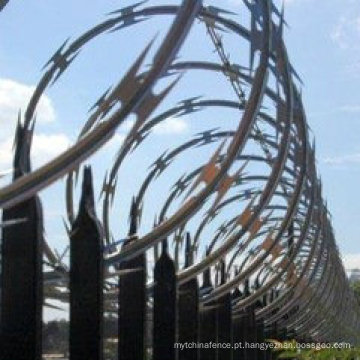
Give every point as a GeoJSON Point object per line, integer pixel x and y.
{"type": "Point", "coordinates": [356, 287]}
{"type": "Point", "coordinates": [55, 337]}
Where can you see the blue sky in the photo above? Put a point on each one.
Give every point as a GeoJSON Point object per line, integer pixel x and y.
{"type": "Point", "coordinates": [324, 45]}
{"type": "Point", "coordinates": [323, 41]}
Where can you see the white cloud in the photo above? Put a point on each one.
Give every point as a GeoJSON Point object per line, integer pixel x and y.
{"type": "Point", "coordinates": [44, 148]}
{"type": "Point", "coordinates": [171, 126]}
{"type": "Point", "coordinates": [346, 32]}
{"type": "Point", "coordinates": [339, 33]}
{"type": "Point", "coordinates": [127, 125]}
{"type": "Point", "coordinates": [15, 96]}
{"type": "Point", "coordinates": [343, 159]}
{"type": "Point", "coordinates": [115, 142]}
{"type": "Point", "coordinates": [351, 261]}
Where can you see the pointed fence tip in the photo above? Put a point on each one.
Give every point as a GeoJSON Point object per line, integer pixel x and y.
{"type": "Point", "coordinates": [87, 197]}
{"type": "Point", "coordinates": [134, 217]}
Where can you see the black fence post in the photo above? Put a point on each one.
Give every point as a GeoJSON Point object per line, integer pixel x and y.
{"type": "Point", "coordinates": [132, 300]}
{"type": "Point", "coordinates": [282, 333]}
{"type": "Point", "coordinates": [207, 326]}
{"type": "Point", "coordinates": [224, 324]}
{"type": "Point", "coordinates": [164, 330]}
{"type": "Point", "coordinates": [260, 328]}
{"type": "Point", "coordinates": [249, 328]}
{"type": "Point", "coordinates": [238, 328]}
{"type": "Point", "coordinates": [270, 330]}
{"type": "Point", "coordinates": [21, 273]}
{"type": "Point", "coordinates": [188, 312]}
{"type": "Point", "coordinates": [86, 279]}
{"type": "Point", "coordinates": [260, 339]}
